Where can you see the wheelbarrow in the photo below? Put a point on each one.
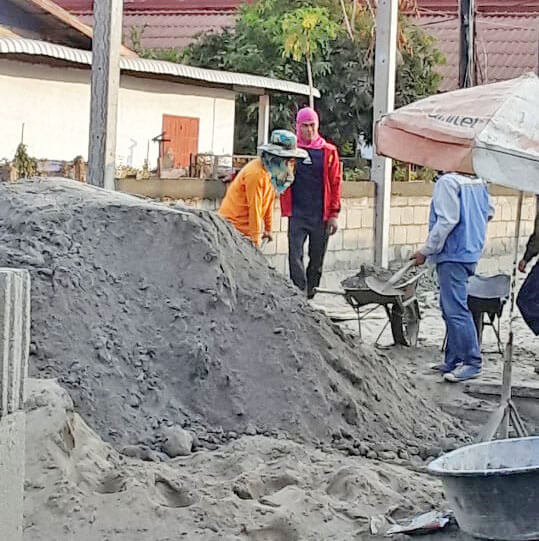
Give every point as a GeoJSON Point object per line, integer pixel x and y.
{"type": "Point", "coordinates": [487, 296]}
{"type": "Point", "coordinates": [399, 302]}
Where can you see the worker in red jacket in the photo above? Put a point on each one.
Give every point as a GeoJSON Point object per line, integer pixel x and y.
{"type": "Point", "coordinates": [312, 203]}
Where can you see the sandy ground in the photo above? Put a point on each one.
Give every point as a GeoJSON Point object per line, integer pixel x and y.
{"type": "Point", "coordinates": [304, 434]}
{"type": "Point", "coordinates": [451, 398]}
{"type": "Point", "coordinates": [255, 488]}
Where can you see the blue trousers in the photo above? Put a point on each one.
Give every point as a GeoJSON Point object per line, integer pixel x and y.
{"type": "Point", "coordinates": [462, 343]}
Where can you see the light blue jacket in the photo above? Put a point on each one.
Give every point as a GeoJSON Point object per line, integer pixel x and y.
{"type": "Point", "coordinates": [460, 210]}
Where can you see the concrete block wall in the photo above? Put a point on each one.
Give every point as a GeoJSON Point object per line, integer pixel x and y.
{"type": "Point", "coordinates": [410, 203]}
{"type": "Point", "coordinates": [14, 350]}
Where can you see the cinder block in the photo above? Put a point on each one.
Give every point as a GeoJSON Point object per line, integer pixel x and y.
{"type": "Point", "coordinates": [353, 218]}
{"type": "Point", "coordinates": [399, 201]}
{"type": "Point", "coordinates": [413, 234]}
{"type": "Point", "coordinates": [342, 219]}
{"type": "Point", "coordinates": [421, 215]}
{"type": "Point", "coordinates": [283, 224]}
{"type": "Point", "coordinates": [357, 202]}
{"type": "Point", "coordinates": [14, 337]}
{"type": "Point", "coordinates": [367, 218]}
{"type": "Point", "coordinates": [336, 241]}
{"type": "Point", "coordinates": [419, 201]}
{"type": "Point", "coordinates": [351, 239]}
{"type": "Point", "coordinates": [281, 240]}
{"type": "Point", "coordinates": [407, 215]}
{"type": "Point", "coordinates": [366, 238]}
{"type": "Point", "coordinates": [395, 216]}
{"type": "Point", "coordinates": [400, 235]}
{"type": "Point", "coordinates": [506, 213]}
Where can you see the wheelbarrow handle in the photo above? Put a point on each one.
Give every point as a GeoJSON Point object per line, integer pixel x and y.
{"type": "Point", "coordinates": [399, 274]}
{"type": "Point", "coordinates": [330, 291]}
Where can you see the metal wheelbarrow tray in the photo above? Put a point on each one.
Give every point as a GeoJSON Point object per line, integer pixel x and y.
{"type": "Point", "coordinates": [487, 295]}
{"type": "Point", "coordinates": [400, 304]}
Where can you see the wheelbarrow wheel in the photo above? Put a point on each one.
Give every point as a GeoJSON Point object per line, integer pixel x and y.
{"type": "Point", "coordinates": [405, 324]}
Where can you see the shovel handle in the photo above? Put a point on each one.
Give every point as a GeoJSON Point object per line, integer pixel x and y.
{"type": "Point", "coordinates": [399, 274]}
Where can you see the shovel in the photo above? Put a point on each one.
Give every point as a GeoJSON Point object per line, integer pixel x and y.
{"type": "Point", "coordinates": [386, 287]}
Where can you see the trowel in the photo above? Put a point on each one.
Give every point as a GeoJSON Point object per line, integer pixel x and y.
{"type": "Point", "coordinates": [387, 287]}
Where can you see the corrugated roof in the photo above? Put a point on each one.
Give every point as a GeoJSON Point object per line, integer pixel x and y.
{"type": "Point", "coordinates": [506, 46]}
{"type": "Point", "coordinates": [224, 79]}
{"type": "Point", "coordinates": [507, 29]}
{"type": "Point", "coordinates": [165, 30]}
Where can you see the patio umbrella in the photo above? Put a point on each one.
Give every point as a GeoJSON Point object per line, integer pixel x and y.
{"type": "Point", "coordinates": [491, 131]}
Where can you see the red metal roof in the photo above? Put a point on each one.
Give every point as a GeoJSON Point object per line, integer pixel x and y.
{"type": "Point", "coordinates": [507, 30]}
{"type": "Point", "coordinates": [506, 46]}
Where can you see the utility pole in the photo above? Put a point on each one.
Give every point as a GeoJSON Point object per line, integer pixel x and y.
{"type": "Point", "coordinates": [467, 76]}
{"type": "Point", "coordinates": [106, 44]}
{"type": "Point", "coordinates": [384, 101]}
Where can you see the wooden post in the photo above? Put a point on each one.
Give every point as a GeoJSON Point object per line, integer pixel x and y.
{"type": "Point", "coordinates": [384, 101]}
{"type": "Point", "coordinates": [467, 43]}
{"type": "Point", "coordinates": [263, 119]}
{"type": "Point", "coordinates": [106, 43]}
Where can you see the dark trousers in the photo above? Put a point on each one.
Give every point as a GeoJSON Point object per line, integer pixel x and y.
{"type": "Point", "coordinates": [300, 230]}
{"type": "Point", "coordinates": [462, 342]}
{"type": "Point", "coordinates": [528, 300]}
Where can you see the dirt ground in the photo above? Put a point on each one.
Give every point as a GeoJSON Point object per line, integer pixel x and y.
{"type": "Point", "coordinates": [253, 489]}
{"type": "Point", "coordinates": [325, 433]}
{"type": "Point", "coordinates": [452, 398]}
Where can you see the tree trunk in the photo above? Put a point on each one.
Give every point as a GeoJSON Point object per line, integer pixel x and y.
{"type": "Point", "coordinates": [310, 77]}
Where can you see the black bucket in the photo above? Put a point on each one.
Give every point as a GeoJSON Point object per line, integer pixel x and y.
{"type": "Point", "coordinates": [493, 488]}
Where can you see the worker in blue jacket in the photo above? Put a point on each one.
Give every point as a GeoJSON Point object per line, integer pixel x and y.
{"type": "Point", "coordinates": [460, 209]}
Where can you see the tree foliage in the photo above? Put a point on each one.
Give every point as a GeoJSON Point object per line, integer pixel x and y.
{"type": "Point", "coordinates": [265, 41]}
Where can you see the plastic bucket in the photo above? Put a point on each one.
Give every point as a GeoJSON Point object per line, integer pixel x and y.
{"type": "Point", "coordinates": [493, 488]}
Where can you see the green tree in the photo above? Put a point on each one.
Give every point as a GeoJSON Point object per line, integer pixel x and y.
{"type": "Point", "coordinates": [305, 31]}
{"type": "Point", "coordinates": [342, 67]}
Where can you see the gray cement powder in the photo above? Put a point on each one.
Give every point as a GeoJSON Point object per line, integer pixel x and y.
{"type": "Point", "coordinates": [152, 316]}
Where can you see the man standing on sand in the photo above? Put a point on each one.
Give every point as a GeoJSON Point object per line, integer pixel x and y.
{"type": "Point", "coordinates": [249, 200]}
{"type": "Point", "coordinates": [313, 203]}
{"type": "Point", "coordinates": [460, 209]}
{"type": "Point", "coordinates": [528, 296]}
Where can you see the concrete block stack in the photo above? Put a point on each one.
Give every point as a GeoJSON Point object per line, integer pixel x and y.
{"type": "Point", "coordinates": [14, 350]}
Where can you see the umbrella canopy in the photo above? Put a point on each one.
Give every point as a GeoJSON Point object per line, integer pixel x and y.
{"type": "Point", "coordinates": [491, 131]}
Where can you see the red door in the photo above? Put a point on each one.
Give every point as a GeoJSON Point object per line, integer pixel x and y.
{"type": "Point", "coordinates": [183, 134]}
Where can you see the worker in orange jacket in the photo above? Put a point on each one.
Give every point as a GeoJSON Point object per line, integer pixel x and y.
{"type": "Point", "coordinates": [249, 200]}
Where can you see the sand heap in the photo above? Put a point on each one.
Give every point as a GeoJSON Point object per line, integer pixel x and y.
{"type": "Point", "coordinates": [152, 316]}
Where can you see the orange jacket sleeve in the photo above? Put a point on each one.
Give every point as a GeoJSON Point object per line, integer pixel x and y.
{"type": "Point", "coordinates": [268, 218]}
{"type": "Point", "coordinates": [254, 192]}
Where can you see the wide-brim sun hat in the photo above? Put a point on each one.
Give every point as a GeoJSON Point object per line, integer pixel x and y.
{"type": "Point", "coordinates": [283, 144]}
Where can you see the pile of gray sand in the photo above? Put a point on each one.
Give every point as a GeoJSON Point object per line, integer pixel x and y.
{"type": "Point", "coordinates": [153, 316]}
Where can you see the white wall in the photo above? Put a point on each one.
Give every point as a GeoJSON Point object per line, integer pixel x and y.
{"type": "Point", "coordinates": [54, 105]}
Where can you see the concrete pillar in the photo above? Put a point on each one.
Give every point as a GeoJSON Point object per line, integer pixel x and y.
{"type": "Point", "coordinates": [106, 46]}
{"type": "Point", "coordinates": [14, 350]}
{"type": "Point", "coordinates": [263, 119]}
{"type": "Point", "coordinates": [384, 100]}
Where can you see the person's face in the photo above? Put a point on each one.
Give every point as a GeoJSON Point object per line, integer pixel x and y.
{"type": "Point", "coordinates": [308, 131]}
{"type": "Point", "coordinates": [291, 168]}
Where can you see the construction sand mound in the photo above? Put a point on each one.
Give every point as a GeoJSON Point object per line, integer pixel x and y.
{"type": "Point", "coordinates": [153, 316]}
{"type": "Point", "coordinates": [252, 489]}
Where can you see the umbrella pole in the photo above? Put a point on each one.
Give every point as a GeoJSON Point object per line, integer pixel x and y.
{"type": "Point", "coordinates": [507, 413]}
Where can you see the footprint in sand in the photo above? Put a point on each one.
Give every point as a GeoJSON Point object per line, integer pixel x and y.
{"type": "Point", "coordinates": [112, 483]}
{"type": "Point", "coordinates": [171, 494]}
{"type": "Point", "coordinates": [282, 531]}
